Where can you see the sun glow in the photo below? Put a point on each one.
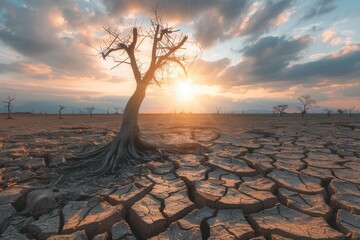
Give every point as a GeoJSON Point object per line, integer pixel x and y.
{"type": "Point", "coordinates": [185, 91]}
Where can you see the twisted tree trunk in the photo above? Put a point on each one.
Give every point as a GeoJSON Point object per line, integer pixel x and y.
{"type": "Point", "coordinates": [9, 111]}
{"type": "Point", "coordinates": [126, 148]}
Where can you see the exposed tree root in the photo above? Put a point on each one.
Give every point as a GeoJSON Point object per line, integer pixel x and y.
{"type": "Point", "coordinates": [126, 148]}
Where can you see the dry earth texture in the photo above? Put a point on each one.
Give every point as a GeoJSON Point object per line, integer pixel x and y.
{"type": "Point", "coordinates": [254, 177]}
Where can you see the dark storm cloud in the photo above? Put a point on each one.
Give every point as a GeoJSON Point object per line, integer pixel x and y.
{"type": "Point", "coordinates": [266, 59]}
{"type": "Point", "coordinates": [220, 22]}
{"type": "Point", "coordinates": [231, 21]}
{"type": "Point", "coordinates": [338, 67]}
{"type": "Point", "coordinates": [269, 60]}
{"type": "Point", "coordinates": [176, 9]}
{"type": "Point", "coordinates": [264, 17]}
{"type": "Point", "coordinates": [215, 20]}
{"type": "Point", "coordinates": [321, 7]}
{"type": "Point", "coordinates": [213, 17]}
{"type": "Point", "coordinates": [275, 53]}
{"type": "Point", "coordinates": [11, 68]}
{"type": "Point", "coordinates": [33, 31]}
{"type": "Point", "coordinates": [209, 30]}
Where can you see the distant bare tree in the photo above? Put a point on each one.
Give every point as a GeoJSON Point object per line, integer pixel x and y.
{"type": "Point", "coordinates": [279, 109]}
{"type": "Point", "coordinates": [351, 109]}
{"type": "Point", "coordinates": [81, 111]}
{"type": "Point", "coordinates": [90, 110]}
{"type": "Point", "coordinates": [328, 112]}
{"type": "Point", "coordinates": [282, 109]}
{"type": "Point", "coordinates": [107, 111]}
{"type": "Point", "coordinates": [117, 110]}
{"type": "Point", "coordinates": [340, 111]}
{"type": "Point", "coordinates": [274, 110]}
{"type": "Point", "coordinates": [61, 107]}
{"type": "Point", "coordinates": [8, 104]}
{"type": "Point", "coordinates": [218, 109]}
{"type": "Point", "coordinates": [307, 104]}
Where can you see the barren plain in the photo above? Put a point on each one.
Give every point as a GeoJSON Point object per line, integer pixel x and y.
{"type": "Point", "coordinates": [250, 177]}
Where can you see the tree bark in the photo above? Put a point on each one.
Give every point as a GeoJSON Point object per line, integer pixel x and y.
{"type": "Point", "coordinates": [9, 111]}
{"type": "Point", "coordinates": [126, 148]}
{"type": "Point", "coordinates": [131, 112]}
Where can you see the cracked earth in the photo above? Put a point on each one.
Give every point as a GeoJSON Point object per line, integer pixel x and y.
{"type": "Point", "coordinates": [252, 177]}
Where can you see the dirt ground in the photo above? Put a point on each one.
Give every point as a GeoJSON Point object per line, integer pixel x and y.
{"type": "Point", "coordinates": [252, 177]}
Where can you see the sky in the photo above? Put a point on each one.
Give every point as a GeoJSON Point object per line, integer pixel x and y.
{"type": "Point", "coordinates": [254, 54]}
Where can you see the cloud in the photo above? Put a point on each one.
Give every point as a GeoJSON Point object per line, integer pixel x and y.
{"type": "Point", "coordinates": [265, 60]}
{"type": "Point", "coordinates": [267, 15]}
{"type": "Point", "coordinates": [172, 9]}
{"type": "Point", "coordinates": [273, 60]}
{"type": "Point", "coordinates": [26, 68]}
{"type": "Point", "coordinates": [251, 21]}
{"type": "Point", "coordinates": [321, 7]}
{"type": "Point", "coordinates": [212, 20]}
{"type": "Point", "coordinates": [208, 72]}
{"type": "Point", "coordinates": [329, 36]}
{"type": "Point", "coordinates": [345, 66]}
{"type": "Point", "coordinates": [47, 34]}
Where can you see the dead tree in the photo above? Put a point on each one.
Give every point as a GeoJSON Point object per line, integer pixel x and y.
{"type": "Point", "coordinates": [8, 104]}
{"type": "Point", "coordinates": [282, 109]}
{"type": "Point", "coordinates": [274, 110]}
{"type": "Point", "coordinates": [328, 112]}
{"type": "Point", "coordinates": [90, 110]}
{"type": "Point", "coordinates": [81, 111]}
{"type": "Point", "coordinates": [306, 104]}
{"type": "Point", "coordinates": [167, 52]}
{"type": "Point", "coordinates": [279, 109]}
{"type": "Point", "coordinates": [351, 109]}
{"type": "Point", "coordinates": [118, 110]}
{"type": "Point", "coordinates": [218, 109]}
{"type": "Point", "coordinates": [61, 107]}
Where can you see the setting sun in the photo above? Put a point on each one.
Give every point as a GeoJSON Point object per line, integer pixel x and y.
{"type": "Point", "coordinates": [185, 91]}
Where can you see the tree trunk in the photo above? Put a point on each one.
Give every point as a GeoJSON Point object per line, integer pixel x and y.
{"type": "Point", "coordinates": [9, 111]}
{"type": "Point", "coordinates": [126, 148]}
{"type": "Point", "coordinates": [131, 112]}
